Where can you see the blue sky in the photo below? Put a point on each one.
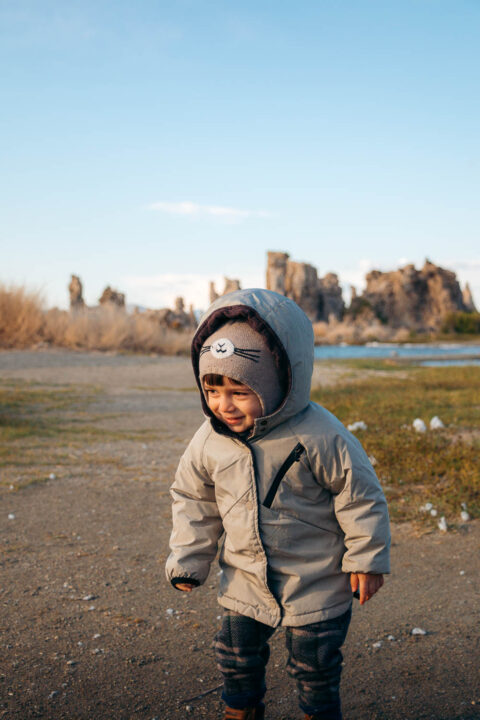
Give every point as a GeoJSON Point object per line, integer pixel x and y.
{"type": "Point", "coordinates": [154, 146]}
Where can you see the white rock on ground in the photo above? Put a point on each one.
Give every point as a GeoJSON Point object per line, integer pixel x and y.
{"type": "Point", "coordinates": [465, 516]}
{"type": "Point", "coordinates": [359, 425]}
{"type": "Point", "coordinates": [442, 524]}
{"type": "Point", "coordinates": [419, 425]}
{"type": "Point", "coordinates": [433, 512]}
{"type": "Point", "coordinates": [427, 507]}
{"type": "Point", "coordinates": [418, 631]}
{"type": "Point", "coordinates": [11, 516]}
{"type": "Point", "coordinates": [436, 423]}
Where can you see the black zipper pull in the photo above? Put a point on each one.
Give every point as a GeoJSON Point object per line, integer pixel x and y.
{"type": "Point", "coordinates": [294, 456]}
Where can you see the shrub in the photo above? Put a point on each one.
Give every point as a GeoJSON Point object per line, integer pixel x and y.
{"type": "Point", "coordinates": [464, 323]}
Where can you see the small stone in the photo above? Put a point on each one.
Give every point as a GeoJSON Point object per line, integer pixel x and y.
{"type": "Point", "coordinates": [96, 636]}
{"type": "Point", "coordinates": [418, 631]}
{"type": "Point", "coordinates": [390, 637]}
{"type": "Point", "coordinates": [11, 516]}
{"type": "Point", "coordinates": [433, 512]}
{"type": "Point", "coordinates": [71, 662]}
{"type": "Point", "coordinates": [52, 476]}
{"type": "Point", "coordinates": [170, 611]}
{"type": "Point", "coordinates": [436, 423]}
{"type": "Point", "coordinates": [80, 643]}
{"type": "Point", "coordinates": [89, 597]}
{"type": "Point", "coordinates": [377, 644]}
{"type": "Point", "coordinates": [419, 425]}
{"type": "Point", "coordinates": [92, 607]}
{"type": "Point", "coordinates": [462, 572]}
{"type": "Point", "coordinates": [442, 524]}
{"type": "Point", "coordinates": [427, 507]}
{"type": "Point", "coordinates": [188, 708]}
{"type": "Point", "coordinates": [53, 694]}
{"type": "Point", "coordinates": [359, 425]}
{"type": "Point", "coordinates": [465, 516]}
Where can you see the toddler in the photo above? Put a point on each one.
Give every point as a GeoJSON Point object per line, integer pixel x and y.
{"type": "Point", "coordinates": [303, 518]}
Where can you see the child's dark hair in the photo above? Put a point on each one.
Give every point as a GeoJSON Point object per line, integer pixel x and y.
{"type": "Point", "coordinates": [215, 379]}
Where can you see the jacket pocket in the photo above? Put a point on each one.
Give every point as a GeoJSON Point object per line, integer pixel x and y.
{"type": "Point", "coordinates": [294, 456]}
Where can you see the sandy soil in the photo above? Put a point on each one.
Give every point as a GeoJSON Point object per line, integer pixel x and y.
{"type": "Point", "coordinates": [89, 628]}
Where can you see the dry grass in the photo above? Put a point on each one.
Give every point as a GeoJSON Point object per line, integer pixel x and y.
{"type": "Point", "coordinates": [24, 322]}
{"type": "Point", "coordinates": [22, 317]}
{"type": "Point", "coordinates": [438, 466]}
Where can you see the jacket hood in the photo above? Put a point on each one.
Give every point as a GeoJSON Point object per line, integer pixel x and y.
{"type": "Point", "coordinates": [289, 336]}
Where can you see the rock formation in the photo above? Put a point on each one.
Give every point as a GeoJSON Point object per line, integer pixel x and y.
{"type": "Point", "coordinates": [112, 297]}
{"type": "Point", "coordinates": [320, 298]}
{"type": "Point", "coordinates": [229, 286]}
{"type": "Point", "coordinates": [331, 296]}
{"type": "Point", "coordinates": [276, 271]}
{"type": "Point", "coordinates": [416, 299]}
{"type": "Point", "coordinates": [468, 299]}
{"type": "Point", "coordinates": [176, 319]}
{"type": "Point", "coordinates": [75, 290]}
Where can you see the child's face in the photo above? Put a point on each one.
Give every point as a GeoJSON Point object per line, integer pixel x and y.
{"type": "Point", "coordinates": [235, 405]}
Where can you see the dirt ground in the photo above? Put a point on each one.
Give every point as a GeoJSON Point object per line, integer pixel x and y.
{"type": "Point", "coordinates": [89, 627]}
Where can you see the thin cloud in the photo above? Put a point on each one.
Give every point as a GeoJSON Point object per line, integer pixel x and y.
{"type": "Point", "coordinates": [195, 209]}
{"type": "Point", "coordinates": [160, 290]}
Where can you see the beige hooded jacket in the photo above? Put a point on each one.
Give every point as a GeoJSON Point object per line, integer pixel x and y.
{"type": "Point", "coordinates": [298, 504]}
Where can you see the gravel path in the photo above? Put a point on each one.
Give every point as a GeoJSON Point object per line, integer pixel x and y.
{"type": "Point", "coordinates": [89, 628]}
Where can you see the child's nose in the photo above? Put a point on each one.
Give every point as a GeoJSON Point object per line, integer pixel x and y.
{"type": "Point", "coordinates": [225, 403]}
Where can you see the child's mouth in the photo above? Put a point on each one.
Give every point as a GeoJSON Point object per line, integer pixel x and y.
{"type": "Point", "coordinates": [233, 421]}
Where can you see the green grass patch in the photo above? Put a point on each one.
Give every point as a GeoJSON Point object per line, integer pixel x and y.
{"type": "Point", "coordinates": [439, 466]}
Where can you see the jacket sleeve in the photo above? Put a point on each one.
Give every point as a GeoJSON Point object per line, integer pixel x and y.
{"type": "Point", "coordinates": [359, 504]}
{"type": "Point", "coordinates": [197, 525]}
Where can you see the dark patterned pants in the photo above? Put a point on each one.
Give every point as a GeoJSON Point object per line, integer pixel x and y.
{"type": "Point", "coordinates": [314, 662]}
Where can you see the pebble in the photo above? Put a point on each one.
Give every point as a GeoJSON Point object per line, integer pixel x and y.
{"type": "Point", "coordinates": [436, 423]}
{"type": "Point", "coordinates": [427, 507]}
{"type": "Point", "coordinates": [170, 611]}
{"type": "Point", "coordinates": [89, 597]}
{"type": "Point", "coordinates": [419, 425]}
{"type": "Point", "coordinates": [96, 636]}
{"type": "Point", "coordinates": [52, 476]}
{"type": "Point", "coordinates": [418, 631]}
{"type": "Point", "coordinates": [11, 516]}
{"type": "Point", "coordinates": [377, 644]}
{"type": "Point", "coordinates": [71, 662]}
{"type": "Point", "coordinates": [359, 425]}
{"type": "Point", "coordinates": [462, 572]}
{"type": "Point", "coordinates": [53, 694]}
{"type": "Point", "coordinates": [465, 516]}
{"type": "Point", "coordinates": [390, 637]}
{"type": "Point", "coordinates": [434, 512]}
{"type": "Point", "coordinates": [442, 524]}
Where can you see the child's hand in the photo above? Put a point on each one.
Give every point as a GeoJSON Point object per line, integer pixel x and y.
{"type": "Point", "coordinates": [185, 587]}
{"type": "Point", "coordinates": [366, 583]}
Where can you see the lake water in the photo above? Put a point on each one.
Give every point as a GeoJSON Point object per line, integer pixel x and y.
{"type": "Point", "coordinates": [426, 354]}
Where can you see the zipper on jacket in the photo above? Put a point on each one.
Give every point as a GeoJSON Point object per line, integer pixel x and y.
{"type": "Point", "coordinates": [294, 456]}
